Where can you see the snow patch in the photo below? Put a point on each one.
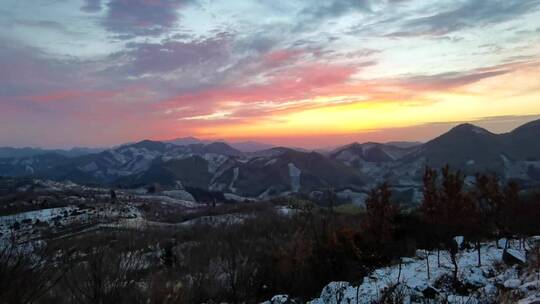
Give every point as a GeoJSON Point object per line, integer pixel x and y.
{"type": "Point", "coordinates": [89, 167]}
{"type": "Point", "coordinates": [236, 172]}
{"type": "Point", "coordinates": [413, 278]}
{"type": "Point", "coordinates": [270, 162]}
{"type": "Point", "coordinates": [294, 174]}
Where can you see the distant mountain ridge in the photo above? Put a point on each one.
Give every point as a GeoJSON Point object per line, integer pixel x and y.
{"type": "Point", "coordinates": [6, 152]}
{"type": "Point", "coordinates": [351, 170]}
{"type": "Point", "coordinates": [244, 146]}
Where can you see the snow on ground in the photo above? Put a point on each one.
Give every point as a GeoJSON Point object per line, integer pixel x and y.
{"type": "Point", "coordinates": [139, 223]}
{"type": "Point", "coordinates": [294, 174]}
{"type": "Point", "coordinates": [238, 198]}
{"type": "Point", "coordinates": [413, 279]}
{"type": "Point", "coordinates": [26, 226]}
{"type": "Point", "coordinates": [236, 172]}
{"type": "Point", "coordinates": [286, 211]}
{"type": "Point", "coordinates": [180, 194]}
{"type": "Point", "coordinates": [169, 200]}
{"type": "Point", "coordinates": [214, 161]}
{"type": "Point", "coordinates": [41, 215]}
{"type": "Point", "coordinates": [216, 220]}
{"type": "Point", "coordinates": [357, 198]}
{"type": "Point", "coordinates": [518, 169]}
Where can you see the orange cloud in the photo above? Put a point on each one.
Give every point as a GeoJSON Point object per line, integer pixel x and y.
{"type": "Point", "coordinates": [333, 106]}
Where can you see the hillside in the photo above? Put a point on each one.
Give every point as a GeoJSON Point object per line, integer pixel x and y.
{"type": "Point", "coordinates": [353, 168]}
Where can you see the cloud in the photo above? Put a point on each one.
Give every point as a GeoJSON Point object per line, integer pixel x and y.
{"type": "Point", "coordinates": [91, 6]}
{"type": "Point", "coordinates": [315, 13]}
{"type": "Point", "coordinates": [144, 58]}
{"type": "Point", "coordinates": [471, 13]}
{"type": "Point", "coordinates": [27, 70]}
{"type": "Point", "coordinates": [452, 80]}
{"type": "Point", "coordinates": [267, 63]}
{"type": "Point", "coordinates": [334, 8]}
{"type": "Point", "coordinates": [53, 26]}
{"type": "Point", "coordinates": [142, 17]}
{"type": "Point", "coordinates": [280, 91]}
{"type": "Point", "coordinates": [445, 81]}
{"type": "Point", "coordinates": [306, 86]}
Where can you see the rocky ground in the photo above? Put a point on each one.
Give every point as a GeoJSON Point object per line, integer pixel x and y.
{"type": "Point", "coordinates": [505, 276]}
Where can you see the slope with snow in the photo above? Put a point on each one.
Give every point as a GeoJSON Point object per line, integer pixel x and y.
{"type": "Point", "coordinates": [413, 285]}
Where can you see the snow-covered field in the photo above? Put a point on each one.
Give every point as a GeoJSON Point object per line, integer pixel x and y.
{"type": "Point", "coordinates": [32, 225]}
{"type": "Point", "coordinates": [413, 285]}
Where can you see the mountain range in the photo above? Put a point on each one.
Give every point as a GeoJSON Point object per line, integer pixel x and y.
{"type": "Point", "coordinates": [350, 170]}
{"type": "Point", "coordinates": [244, 146]}
{"type": "Point", "coordinates": [6, 152]}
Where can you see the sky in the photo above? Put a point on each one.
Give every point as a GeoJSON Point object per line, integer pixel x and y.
{"type": "Point", "coordinates": [304, 73]}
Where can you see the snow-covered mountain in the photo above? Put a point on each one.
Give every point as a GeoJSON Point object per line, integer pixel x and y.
{"type": "Point", "coordinates": [351, 170]}
{"type": "Point", "coordinates": [8, 152]}
{"type": "Point", "coordinates": [370, 152]}
{"type": "Point", "coordinates": [244, 146]}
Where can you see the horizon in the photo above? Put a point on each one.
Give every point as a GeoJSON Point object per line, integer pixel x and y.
{"type": "Point", "coordinates": [446, 127]}
{"type": "Point", "coordinates": [99, 73]}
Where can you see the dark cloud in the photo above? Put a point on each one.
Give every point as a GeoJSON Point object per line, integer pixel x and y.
{"type": "Point", "coordinates": [142, 17]}
{"type": "Point", "coordinates": [452, 80]}
{"type": "Point", "coordinates": [91, 6]}
{"type": "Point", "coordinates": [27, 70]}
{"type": "Point", "coordinates": [470, 14]}
{"type": "Point", "coordinates": [145, 58]}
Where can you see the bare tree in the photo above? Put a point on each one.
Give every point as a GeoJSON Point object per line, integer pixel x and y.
{"type": "Point", "coordinates": [103, 275]}
{"type": "Point", "coordinates": [26, 273]}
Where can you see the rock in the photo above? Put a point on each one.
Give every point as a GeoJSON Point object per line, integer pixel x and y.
{"type": "Point", "coordinates": [488, 272]}
{"type": "Point", "coordinates": [420, 253]}
{"type": "Point", "coordinates": [473, 277]}
{"type": "Point", "coordinates": [461, 299]}
{"type": "Point", "coordinates": [512, 283]}
{"type": "Point", "coordinates": [509, 273]}
{"type": "Point", "coordinates": [490, 290]}
{"type": "Point", "coordinates": [279, 299]}
{"type": "Point", "coordinates": [430, 292]}
{"type": "Point", "coordinates": [513, 257]}
{"type": "Point", "coordinates": [407, 260]}
{"type": "Point", "coordinates": [534, 299]}
{"type": "Point", "coordinates": [459, 241]}
{"type": "Point", "coordinates": [333, 291]}
{"type": "Point", "coordinates": [178, 185]}
{"type": "Point", "coordinates": [530, 286]}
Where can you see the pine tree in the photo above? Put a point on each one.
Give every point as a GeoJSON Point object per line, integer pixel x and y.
{"type": "Point", "coordinates": [381, 212]}
{"type": "Point", "coordinates": [430, 203]}
{"type": "Point", "coordinates": [431, 209]}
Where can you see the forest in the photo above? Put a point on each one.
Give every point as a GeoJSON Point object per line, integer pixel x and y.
{"type": "Point", "coordinates": [268, 253]}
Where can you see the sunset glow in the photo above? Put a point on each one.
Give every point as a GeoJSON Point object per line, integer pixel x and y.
{"type": "Point", "coordinates": [320, 74]}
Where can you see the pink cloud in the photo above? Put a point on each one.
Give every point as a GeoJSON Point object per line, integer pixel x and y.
{"type": "Point", "coordinates": [303, 82]}
{"type": "Point", "coordinates": [280, 57]}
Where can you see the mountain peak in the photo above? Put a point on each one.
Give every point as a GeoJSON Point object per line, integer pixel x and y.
{"type": "Point", "coordinates": [148, 144]}
{"type": "Point", "coordinates": [469, 128]}
{"type": "Point", "coordinates": [184, 141]}
{"type": "Point", "coordinates": [532, 126]}
{"type": "Point", "coordinates": [220, 147]}
{"type": "Point", "coordinates": [219, 144]}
